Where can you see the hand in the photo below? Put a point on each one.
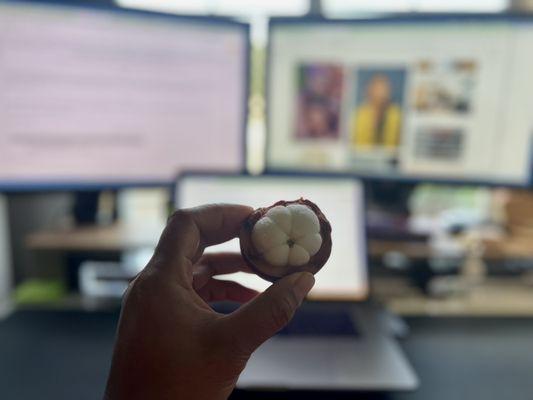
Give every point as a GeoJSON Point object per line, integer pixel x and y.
{"type": "Point", "coordinates": [170, 344]}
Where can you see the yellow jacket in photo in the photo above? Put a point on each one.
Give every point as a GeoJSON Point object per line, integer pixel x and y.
{"type": "Point", "coordinates": [364, 131]}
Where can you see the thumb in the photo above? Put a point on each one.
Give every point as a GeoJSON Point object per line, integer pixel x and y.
{"type": "Point", "coordinates": [264, 316]}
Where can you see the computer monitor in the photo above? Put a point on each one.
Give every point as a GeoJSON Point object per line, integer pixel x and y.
{"type": "Point", "coordinates": [443, 98]}
{"type": "Point", "coordinates": [344, 277]}
{"type": "Point", "coordinates": [95, 97]}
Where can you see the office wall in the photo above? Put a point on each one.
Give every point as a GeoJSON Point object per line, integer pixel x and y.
{"type": "Point", "coordinates": [5, 260]}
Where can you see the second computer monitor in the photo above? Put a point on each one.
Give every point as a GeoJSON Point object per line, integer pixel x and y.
{"type": "Point", "coordinates": [444, 98]}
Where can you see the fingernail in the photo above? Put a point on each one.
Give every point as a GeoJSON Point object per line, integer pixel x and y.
{"type": "Point", "coordinates": [303, 284]}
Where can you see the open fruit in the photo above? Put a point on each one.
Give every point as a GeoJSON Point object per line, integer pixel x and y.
{"type": "Point", "coordinates": [287, 237]}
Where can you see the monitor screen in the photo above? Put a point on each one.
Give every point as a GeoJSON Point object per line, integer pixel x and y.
{"type": "Point", "coordinates": [444, 98]}
{"type": "Point", "coordinates": [344, 277]}
{"type": "Point", "coordinates": [108, 96]}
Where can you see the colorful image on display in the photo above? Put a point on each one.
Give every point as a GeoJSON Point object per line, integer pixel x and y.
{"type": "Point", "coordinates": [377, 116]}
{"type": "Point", "coordinates": [445, 88]}
{"type": "Point", "coordinates": [320, 89]}
{"type": "Point", "coordinates": [439, 144]}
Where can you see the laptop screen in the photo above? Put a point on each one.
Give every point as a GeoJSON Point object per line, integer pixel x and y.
{"type": "Point", "coordinates": [344, 277]}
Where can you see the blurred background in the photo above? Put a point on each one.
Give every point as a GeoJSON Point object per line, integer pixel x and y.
{"type": "Point", "coordinates": [106, 105]}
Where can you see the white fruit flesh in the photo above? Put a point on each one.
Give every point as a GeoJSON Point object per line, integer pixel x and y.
{"type": "Point", "coordinates": [287, 236]}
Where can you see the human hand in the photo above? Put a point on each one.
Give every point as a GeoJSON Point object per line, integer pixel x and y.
{"type": "Point", "coordinates": [170, 344]}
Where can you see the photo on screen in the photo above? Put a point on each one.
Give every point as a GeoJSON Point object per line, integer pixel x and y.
{"type": "Point", "coordinates": [320, 89]}
{"type": "Point", "coordinates": [376, 118]}
{"type": "Point", "coordinates": [439, 144]}
{"type": "Point", "coordinates": [444, 88]}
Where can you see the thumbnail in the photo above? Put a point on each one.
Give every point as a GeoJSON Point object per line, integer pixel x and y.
{"type": "Point", "coordinates": [439, 144]}
{"type": "Point", "coordinates": [320, 90]}
{"type": "Point", "coordinates": [445, 87]}
{"type": "Point", "coordinates": [376, 118]}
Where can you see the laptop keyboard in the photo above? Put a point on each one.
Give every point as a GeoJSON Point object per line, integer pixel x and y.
{"type": "Point", "coordinates": [321, 322]}
{"type": "Point", "coordinates": [312, 320]}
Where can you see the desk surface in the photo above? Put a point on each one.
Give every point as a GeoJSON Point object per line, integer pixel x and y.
{"type": "Point", "coordinates": [66, 355]}
{"type": "Point", "coordinates": [499, 297]}
{"type": "Point", "coordinates": [119, 237]}
{"type": "Point", "coordinates": [457, 358]}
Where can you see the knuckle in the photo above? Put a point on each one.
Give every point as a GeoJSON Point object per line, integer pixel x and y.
{"type": "Point", "coordinates": [179, 216]}
{"type": "Point", "coordinates": [144, 282]}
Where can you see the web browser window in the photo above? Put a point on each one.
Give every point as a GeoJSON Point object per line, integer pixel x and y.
{"type": "Point", "coordinates": [445, 99]}
{"type": "Point", "coordinates": [97, 95]}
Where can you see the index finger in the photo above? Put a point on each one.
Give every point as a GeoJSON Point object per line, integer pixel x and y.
{"type": "Point", "coordinates": [189, 231]}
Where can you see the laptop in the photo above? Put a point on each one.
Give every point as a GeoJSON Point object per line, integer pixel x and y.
{"type": "Point", "coordinates": [337, 340]}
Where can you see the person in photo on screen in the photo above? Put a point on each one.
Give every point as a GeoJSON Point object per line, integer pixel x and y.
{"type": "Point", "coordinates": [376, 121]}
{"type": "Point", "coordinates": [319, 101]}
{"type": "Point", "coordinates": [170, 343]}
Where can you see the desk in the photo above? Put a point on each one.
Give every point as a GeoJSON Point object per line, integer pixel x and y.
{"type": "Point", "coordinates": [66, 355]}
{"type": "Point", "coordinates": [106, 243]}
{"type": "Point", "coordinates": [456, 358]}
{"type": "Point", "coordinates": [503, 296]}
{"type": "Point", "coordinates": [115, 238]}
{"type": "Point", "coordinates": [120, 237]}
{"type": "Point", "coordinates": [495, 297]}
{"type": "Point", "coordinates": [494, 249]}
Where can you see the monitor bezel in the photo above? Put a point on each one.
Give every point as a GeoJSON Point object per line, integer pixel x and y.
{"type": "Point", "coordinates": [388, 18]}
{"type": "Point", "coordinates": [364, 294]}
{"type": "Point", "coordinates": [73, 184]}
